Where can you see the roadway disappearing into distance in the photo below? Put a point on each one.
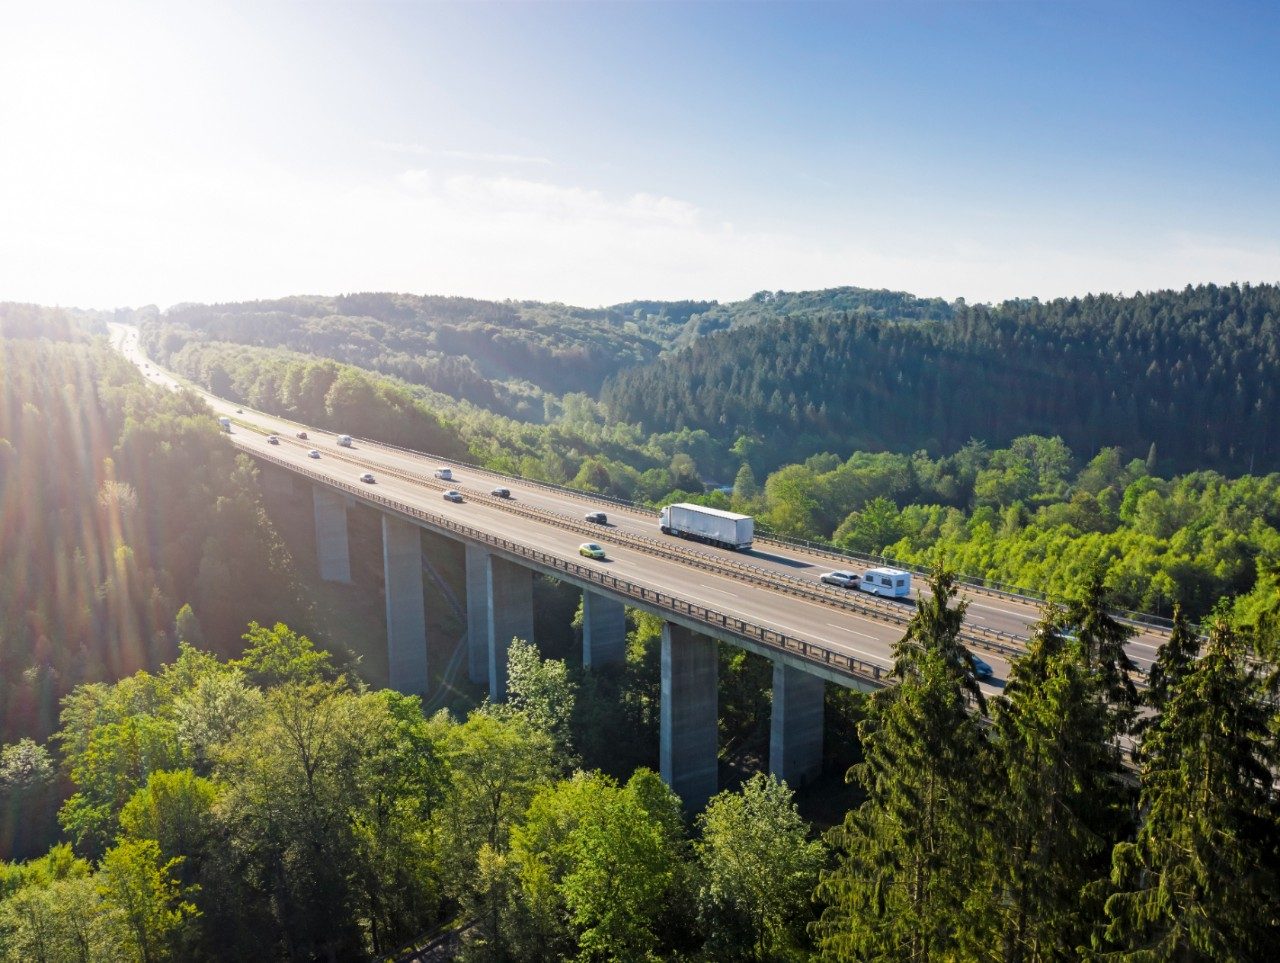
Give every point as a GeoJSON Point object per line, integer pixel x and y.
{"type": "Point", "coordinates": [775, 586]}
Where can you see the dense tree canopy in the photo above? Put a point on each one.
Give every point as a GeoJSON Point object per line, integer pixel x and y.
{"type": "Point", "coordinates": [1190, 371]}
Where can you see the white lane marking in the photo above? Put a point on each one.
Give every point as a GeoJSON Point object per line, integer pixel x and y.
{"type": "Point", "coordinates": [851, 631]}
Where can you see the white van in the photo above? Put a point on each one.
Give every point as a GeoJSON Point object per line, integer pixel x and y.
{"type": "Point", "coordinates": [344, 441]}
{"type": "Point", "coordinates": [893, 582]}
{"type": "Point", "coordinates": [444, 474]}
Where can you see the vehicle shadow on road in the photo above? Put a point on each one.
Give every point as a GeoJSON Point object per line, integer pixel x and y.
{"type": "Point", "coordinates": [780, 559]}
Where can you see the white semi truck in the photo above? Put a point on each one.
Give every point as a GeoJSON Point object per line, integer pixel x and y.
{"type": "Point", "coordinates": [710, 525]}
{"type": "Point", "coordinates": [224, 424]}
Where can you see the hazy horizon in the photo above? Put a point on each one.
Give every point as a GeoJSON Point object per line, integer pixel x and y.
{"type": "Point", "coordinates": [595, 154]}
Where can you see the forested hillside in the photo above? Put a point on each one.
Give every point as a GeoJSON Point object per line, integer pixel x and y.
{"type": "Point", "coordinates": [499, 355]}
{"type": "Point", "coordinates": [119, 505]}
{"type": "Point", "coordinates": [509, 357]}
{"type": "Point", "coordinates": [1192, 372]}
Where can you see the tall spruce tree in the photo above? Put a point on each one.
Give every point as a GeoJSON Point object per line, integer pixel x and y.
{"type": "Point", "coordinates": [1174, 660]}
{"type": "Point", "coordinates": [936, 627]}
{"type": "Point", "coordinates": [1056, 806]}
{"type": "Point", "coordinates": [1104, 638]}
{"type": "Point", "coordinates": [909, 852]}
{"type": "Point", "coordinates": [1200, 882]}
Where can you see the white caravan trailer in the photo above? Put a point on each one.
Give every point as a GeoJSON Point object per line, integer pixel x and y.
{"type": "Point", "coordinates": [893, 582]}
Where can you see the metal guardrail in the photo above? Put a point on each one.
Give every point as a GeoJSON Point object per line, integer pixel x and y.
{"type": "Point", "coordinates": [990, 587]}
{"type": "Point", "coordinates": [837, 661]}
{"type": "Point", "coordinates": [1004, 644]}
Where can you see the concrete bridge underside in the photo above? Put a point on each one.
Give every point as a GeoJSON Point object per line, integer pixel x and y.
{"type": "Point", "coordinates": [499, 607]}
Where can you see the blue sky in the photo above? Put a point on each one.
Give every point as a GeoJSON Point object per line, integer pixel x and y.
{"type": "Point", "coordinates": [593, 153]}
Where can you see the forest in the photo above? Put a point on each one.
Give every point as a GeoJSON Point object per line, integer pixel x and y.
{"type": "Point", "coordinates": [1190, 371]}
{"type": "Point", "coordinates": [271, 806]}
{"type": "Point", "coordinates": [513, 357]}
{"type": "Point", "coordinates": [499, 355]}
{"type": "Point", "coordinates": [184, 775]}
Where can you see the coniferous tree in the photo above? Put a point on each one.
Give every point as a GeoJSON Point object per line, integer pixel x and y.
{"type": "Point", "coordinates": [1200, 881]}
{"type": "Point", "coordinates": [1055, 806]}
{"type": "Point", "coordinates": [1104, 638]}
{"type": "Point", "coordinates": [908, 853]}
{"type": "Point", "coordinates": [1174, 660]}
{"type": "Point", "coordinates": [936, 627]}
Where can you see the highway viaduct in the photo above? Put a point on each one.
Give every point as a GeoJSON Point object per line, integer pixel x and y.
{"type": "Point", "coordinates": [768, 601]}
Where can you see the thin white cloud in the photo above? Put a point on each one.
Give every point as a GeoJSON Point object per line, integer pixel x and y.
{"type": "Point", "coordinates": [483, 157]}
{"type": "Point", "coordinates": [76, 234]}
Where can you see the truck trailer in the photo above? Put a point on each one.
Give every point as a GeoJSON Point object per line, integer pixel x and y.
{"type": "Point", "coordinates": [710, 525]}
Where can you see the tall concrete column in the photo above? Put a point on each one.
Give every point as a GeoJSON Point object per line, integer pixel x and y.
{"type": "Point", "coordinates": [510, 605]}
{"type": "Point", "coordinates": [688, 735]}
{"type": "Point", "coordinates": [795, 729]}
{"type": "Point", "coordinates": [477, 613]}
{"type": "Point", "coordinates": [331, 534]}
{"type": "Point", "coordinates": [604, 630]}
{"type": "Point", "coordinates": [406, 610]}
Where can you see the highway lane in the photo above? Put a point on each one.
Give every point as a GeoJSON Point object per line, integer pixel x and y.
{"type": "Point", "coordinates": [1011, 616]}
{"type": "Point", "coordinates": [845, 633]}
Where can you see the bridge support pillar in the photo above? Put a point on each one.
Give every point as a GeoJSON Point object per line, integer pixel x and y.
{"type": "Point", "coordinates": [406, 608]}
{"type": "Point", "coordinates": [477, 613]}
{"type": "Point", "coordinates": [604, 630]}
{"type": "Point", "coordinates": [331, 534]}
{"type": "Point", "coordinates": [688, 732]}
{"type": "Point", "coordinates": [795, 731]}
{"type": "Point", "coordinates": [510, 615]}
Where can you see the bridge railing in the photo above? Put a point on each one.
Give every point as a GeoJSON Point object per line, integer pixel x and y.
{"type": "Point", "coordinates": [990, 587]}
{"type": "Point", "coordinates": [839, 662]}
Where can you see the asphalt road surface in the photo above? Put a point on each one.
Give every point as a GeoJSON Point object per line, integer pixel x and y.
{"type": "Point", "coordinates": [812, 620]}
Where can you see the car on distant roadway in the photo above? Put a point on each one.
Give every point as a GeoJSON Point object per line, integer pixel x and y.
{"type": "Point", "coordinates": [452, 496]}
{"type": "Point", "coordinates": [981, 669]}
{"type": "Point", "coordinates": [272, 440]}
{"type": "Point", "coordinates": [599, 518]}
{"type": "Point", "coordinates": [591, 550]}
{"type": "Point", "coordinates": [302, 435]}
{"type": "Point", "coordinates": [313, 453]}
{"type": "Point", "coordinates": [367, 478]}
{"type": "Point", "coordinates": [844, 579]}
{"type": "Point", "coordinates": [501, 493]}
{"type": "Point", "coordinates": [239, 411]}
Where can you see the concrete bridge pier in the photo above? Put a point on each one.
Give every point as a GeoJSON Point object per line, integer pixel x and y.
{"type": "Point", "coordinates": [406, 607]}
{"type": "Point", "coordinates": [689, 727]}
{"type": "Point", "coordinates": [509, 604]}
{"type": "Point", "coordinates": [604, 630]}
{"type": "Point", "coordinates": [477, 613]}
{"type": "Point", "coordinates": [795, 729]}
{"type": "Point", "coordinates": [331, 534]}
